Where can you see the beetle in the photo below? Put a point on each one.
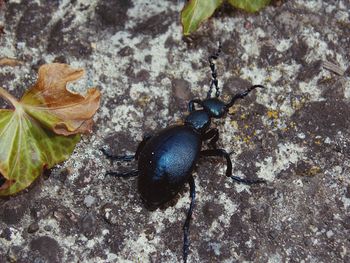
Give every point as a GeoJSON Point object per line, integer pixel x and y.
{"type": "Point", "coordinates": [167, 159]}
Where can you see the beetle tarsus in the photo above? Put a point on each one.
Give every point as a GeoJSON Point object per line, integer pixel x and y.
{"type": "Point", "coordinates": [124, 158]}
{"type": "Point", "coordinates": [132, 173]}
{"type": "Point", "coordinates": [186, 226]}
{"type": "Point", "coordinates": [248, 181]}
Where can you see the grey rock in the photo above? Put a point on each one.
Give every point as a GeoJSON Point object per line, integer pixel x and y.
{"type": "Point", "coordinates": [294, 133]}
{"type": "Point", "coordinates": [89, 201]}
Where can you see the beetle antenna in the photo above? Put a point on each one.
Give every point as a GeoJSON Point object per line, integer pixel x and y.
{"type": "Point", "coordinates": [242, 95]}
{"type": "Point", "coordinates": [214, 80]}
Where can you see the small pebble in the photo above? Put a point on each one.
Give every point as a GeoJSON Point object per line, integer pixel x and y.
{"type": "Point", "coordinates": [108, 213]}
{"type": "Point", "coordinates": [48, 228]}
{"type": "Point", "coordinates": [89, 201]}
{"type": "Point", "coordinates": [33, 228]}
{"type": "Point", "coordinates": [88, 225]}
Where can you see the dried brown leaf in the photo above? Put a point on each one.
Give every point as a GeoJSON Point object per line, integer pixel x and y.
{"type": "Point", "coordinates": [61, 110]}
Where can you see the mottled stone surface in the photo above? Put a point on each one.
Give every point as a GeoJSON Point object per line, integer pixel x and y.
{"type": "Point", "coordinates": [294, 134]}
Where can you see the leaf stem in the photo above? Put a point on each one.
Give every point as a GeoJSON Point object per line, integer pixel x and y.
{"type": "Point", "coordinates": [8, 97]}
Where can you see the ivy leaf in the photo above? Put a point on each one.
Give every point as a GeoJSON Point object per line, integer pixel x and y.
{"type": "Point", "coordinates": [57, 108]}
{"type": "Point", "coordinates": [26, 149]}
{"type": "Point", "coordinates": [249, 5]}
{"type": "Point", "coordinates": [195, 12]}
{"type": "Point", "coordinates": [28, 139]}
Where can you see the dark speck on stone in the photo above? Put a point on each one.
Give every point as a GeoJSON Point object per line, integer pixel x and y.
{"type": "Point", "coordinates": [148, 59]}
{"type": "Point", "coordinates": [6, 234]}
{"type": "Point", "coordinates": [307, 241]}
{"type": "Point", "coordinates": [346, 223]}
{"type": "Point", "coordinates": [37, 17]}
{"type": "Point", "coordinates": [126, 51]}
{"type": "Point", "coordinates": [150, 232]}
{"type": "Point", "coordinates": [109, 213]}
{"type": "Point", "coordinates": [269, 56]}
{"type": "Point", "coordinates": [48, 248]}
{"type": "Point", "coordinates": [181, 89]}
{"type": "Point", "coordinates": [259, 214]}
{"type": "Point", "coordinates": [325, 118]}
{"type": "Point", "coordinates": [39, 260]}
{"type": "Point", "coordinates": [155, 25]}
{"type": "Point", "coordinates": [33, 227]}
{"type": "Point", "coordinates": [298, 51]}
{"type": "Point", "coordinates": [5, 78]}
{"type": "Point", "coordinates": [42, 208]}
{"type": "Point", "coordinates": [65, 41]}
{"type": "Point", "coordinates": [48, 228]}
{"type": "Point", "coordinates": [12, 211]}
{"type": "Point", "coordinates": [88, 225]}
{"type": "Point", "coordinates": [113, 13]}
{"type": "Point", "coordinates": [347, 194]}
{"type": "Point", "coordinates": [62, 176]}
{"type": "Point", "coordinates": [142, 76]}
{"type": "Point", "coordinates": [211, 211]}
{"type": "Point", "coordinates": [60, 59]}
{"type": "Point", "coordinates": [66, 219]}
{"type": "Point", "coordinates": [273, 234]}
{"type": "Point", "coordinates": [309, 71]}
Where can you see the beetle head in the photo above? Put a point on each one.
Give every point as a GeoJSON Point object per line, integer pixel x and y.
{"type": "Point", "coordinates": [214, 107]}
{"type": "Point", "coordinates": [199, 120]}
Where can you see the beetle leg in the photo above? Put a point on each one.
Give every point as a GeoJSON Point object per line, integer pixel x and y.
{"type": "Point", "coordinates": [191, 104]}
{"type": "Point", "coordinates": [247, 181]}
{"type": "Point", "coordinates": [127, 158]}
{"type": "Point", "coordinates": [223, 153]}
{"type": "Point", "coordinates": [126, 174]}
{"type": "Point", "coordinates": [186, 226]}
{"type": "Point", "coordinates": [124, 158]}
{"type": "Point", "coordinates": [213, 136]}
{"type": "Point", "coordinates": [220, 153]}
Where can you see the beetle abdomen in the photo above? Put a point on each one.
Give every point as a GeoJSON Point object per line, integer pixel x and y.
{"type": "Point", "coordinates": [165, 163]}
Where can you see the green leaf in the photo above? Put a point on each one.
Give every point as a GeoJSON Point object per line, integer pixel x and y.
{"type": "Point", "coordinates": [195, 12]}
{"type": "Point", "coordinates": [26, 148]}
{"type": "Point", "coordinates": [249, 5]}
{"type": "Point", "coordinates": [42, 129]}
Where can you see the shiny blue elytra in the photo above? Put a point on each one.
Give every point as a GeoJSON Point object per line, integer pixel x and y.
{"type": "Point", "coordinates": [166, 162]}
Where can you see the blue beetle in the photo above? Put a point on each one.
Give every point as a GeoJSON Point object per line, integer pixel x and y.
{"type": "Point", "coordinates": [167, 159]}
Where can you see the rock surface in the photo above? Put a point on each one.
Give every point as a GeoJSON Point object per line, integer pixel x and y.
{"type": "Point", "coordinates": [295, 133]}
